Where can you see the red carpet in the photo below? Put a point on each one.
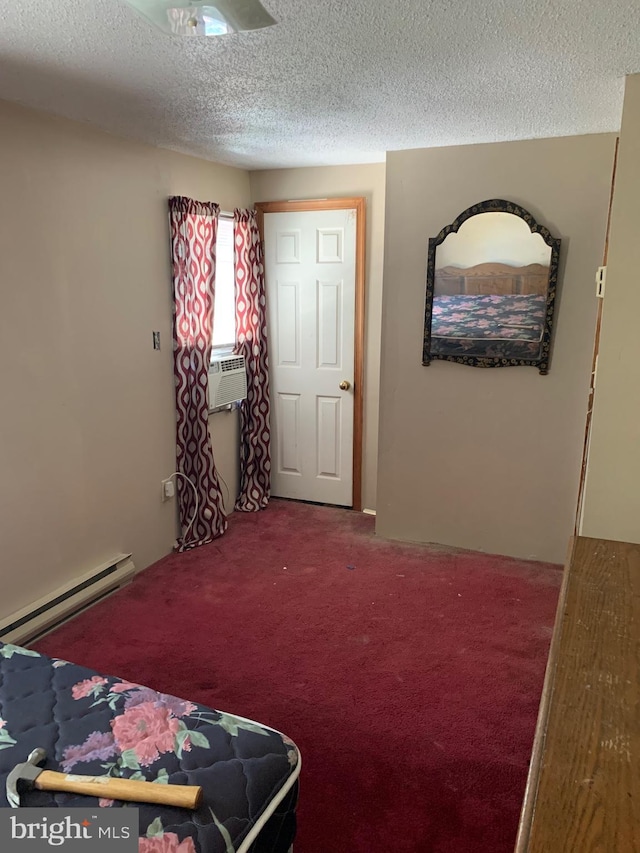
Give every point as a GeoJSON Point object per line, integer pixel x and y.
{"type": "Point", "coordinates": [409, 676]}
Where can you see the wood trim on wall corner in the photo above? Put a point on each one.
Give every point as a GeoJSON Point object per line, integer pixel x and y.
{"type": "Point", "coordinates": [594, 363]}
{"type": "Point", "coordinates": [359, 205]}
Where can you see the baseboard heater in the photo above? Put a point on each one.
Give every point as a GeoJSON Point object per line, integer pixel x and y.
{"type": "Point", "coordinates": [46, 613]}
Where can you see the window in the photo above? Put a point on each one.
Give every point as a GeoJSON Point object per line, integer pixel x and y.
{"type": "Point", "coordinates": [224, 308]}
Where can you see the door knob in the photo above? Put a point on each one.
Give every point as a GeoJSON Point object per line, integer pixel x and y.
{"type": "Point", "coordinates": [345, 385]}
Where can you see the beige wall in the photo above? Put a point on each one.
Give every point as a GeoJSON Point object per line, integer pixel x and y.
{"type": "Point", "coordinates": [337, 182]}
{"type": "Point", "coordinates": [488, 459]}
{"type": "Point", "coordinates": [611, 507]}
{"type": "Point", "coordinates": [87, 426]}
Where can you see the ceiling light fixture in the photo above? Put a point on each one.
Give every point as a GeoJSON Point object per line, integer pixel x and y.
{"type": "Point", "coordinates": [193, 18]}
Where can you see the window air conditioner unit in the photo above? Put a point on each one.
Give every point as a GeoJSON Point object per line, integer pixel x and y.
{"type": "Point", "coordinates": [227, 380]}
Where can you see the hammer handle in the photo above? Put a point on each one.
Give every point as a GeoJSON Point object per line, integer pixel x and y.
{"type": "Point", "coordinates": [112, 788]}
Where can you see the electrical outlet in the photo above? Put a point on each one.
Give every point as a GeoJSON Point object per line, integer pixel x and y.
{"type": "Point", "coordinates": [156, 340]}
{"type": "Point", "coordinates": [168, 489]}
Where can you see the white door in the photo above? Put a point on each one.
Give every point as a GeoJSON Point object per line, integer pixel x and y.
{"type": "Point", "coordinates": [310, 271]}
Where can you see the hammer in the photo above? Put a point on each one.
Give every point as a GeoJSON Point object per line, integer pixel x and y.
{"type": "Point", "coordinates": [28, 775]}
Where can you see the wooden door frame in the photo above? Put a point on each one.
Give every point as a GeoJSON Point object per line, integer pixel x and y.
{"type": "Point", "coordinates": [359, 205]}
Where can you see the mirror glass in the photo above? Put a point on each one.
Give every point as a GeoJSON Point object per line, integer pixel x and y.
{"type": "Point", "coordinates": [491, 289]}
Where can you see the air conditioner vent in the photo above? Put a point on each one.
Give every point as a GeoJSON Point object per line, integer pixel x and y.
{"type": "Point", "coordinates": [232, 363]}
{"type": "Point", "coordinates": [227, 380]}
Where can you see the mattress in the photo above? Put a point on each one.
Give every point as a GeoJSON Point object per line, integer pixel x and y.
{"type": "Point", "coordinates": [509, 326]}
{"type": "Point", "coordinates": [93, 724]}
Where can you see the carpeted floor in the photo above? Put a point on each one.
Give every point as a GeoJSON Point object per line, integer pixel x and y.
{"type": "Point", "coordinates": [409, 676]}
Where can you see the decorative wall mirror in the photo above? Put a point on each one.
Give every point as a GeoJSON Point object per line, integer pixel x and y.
{"type": "Point", "coordinates": [491, 289]}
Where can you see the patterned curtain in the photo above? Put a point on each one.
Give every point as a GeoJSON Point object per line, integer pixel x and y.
{"type": "Point", "coordinates": [194, 226]}
{"type": "Point", "coordinates": [251, 337]}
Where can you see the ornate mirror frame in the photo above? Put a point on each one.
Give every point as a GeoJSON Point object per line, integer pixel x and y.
{"type": "Point", "coordinates": [495, 205]}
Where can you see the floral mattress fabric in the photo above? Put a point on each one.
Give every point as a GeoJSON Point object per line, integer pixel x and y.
{"type": "Point", "coordinates": [488, 325]}
{"type": "Point", "coordinates": [95, 725]}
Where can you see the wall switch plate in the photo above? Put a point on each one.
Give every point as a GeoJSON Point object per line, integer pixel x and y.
{"type": "Point", "coordinates": [156, 340]}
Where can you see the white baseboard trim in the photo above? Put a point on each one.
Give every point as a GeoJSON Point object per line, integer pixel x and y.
{"type": "Point", "coordinates": [42, 615]}
{"type": "Point", "coordinates": [369, 511]}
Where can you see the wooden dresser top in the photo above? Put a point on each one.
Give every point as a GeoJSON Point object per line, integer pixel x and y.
{"type": "Point", "coordinates": [583, 793]}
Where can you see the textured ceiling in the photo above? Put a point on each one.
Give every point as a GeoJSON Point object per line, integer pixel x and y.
{"type": "Point", "coordinates": [336, 81]}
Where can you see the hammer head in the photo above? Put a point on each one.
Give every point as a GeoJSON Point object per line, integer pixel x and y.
{"type": "Point", "coordinates": [23, 776]}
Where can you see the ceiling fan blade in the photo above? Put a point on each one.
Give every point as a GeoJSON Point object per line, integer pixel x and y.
{"type": "Point", "coordinates": [245, 15]}
{"type": "Point", "coordinates": [204, 17]}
